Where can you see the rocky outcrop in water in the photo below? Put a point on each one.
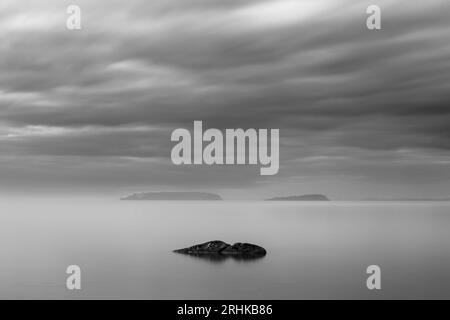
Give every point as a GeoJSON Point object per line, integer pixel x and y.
{"type": "Point", "coordinates": [218, 250]}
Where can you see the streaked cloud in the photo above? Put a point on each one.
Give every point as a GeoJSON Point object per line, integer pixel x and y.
{"type": "Point", "coordinates": [348, 101]}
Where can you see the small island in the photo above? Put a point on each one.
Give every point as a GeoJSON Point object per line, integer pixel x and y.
{"type": "Point", "coordinates": [307, 197]}
{"type": "Point", "coordinates": [174, 196]}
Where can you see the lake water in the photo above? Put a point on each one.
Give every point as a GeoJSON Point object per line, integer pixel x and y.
{"type": "Point", "coordinates": [315, 250]}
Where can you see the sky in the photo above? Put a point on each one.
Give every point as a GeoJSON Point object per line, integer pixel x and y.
{"type": "Point", "coordinates": [361, 113]}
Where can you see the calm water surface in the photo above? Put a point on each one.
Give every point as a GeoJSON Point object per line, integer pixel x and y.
{"type": "Point", "coordinates": [315, 250]}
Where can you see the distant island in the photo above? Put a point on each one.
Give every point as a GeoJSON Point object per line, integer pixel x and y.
{"type": "Point", "coordinates": [183, 196]}
{"type": "Point", "coordinates": [307, 197]}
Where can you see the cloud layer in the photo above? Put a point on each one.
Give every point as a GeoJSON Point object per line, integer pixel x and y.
{"type": "Point", "coordinates": [360, 112]}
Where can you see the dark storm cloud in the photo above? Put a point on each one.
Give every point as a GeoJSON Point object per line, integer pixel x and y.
{"type": "Point", "coordinates": [138, 70]}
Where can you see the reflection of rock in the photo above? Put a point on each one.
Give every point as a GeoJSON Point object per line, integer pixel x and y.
{"type": "Point", "coordinates": [219, 250]}
{"type": "Point", "coordinates": [213, 257]}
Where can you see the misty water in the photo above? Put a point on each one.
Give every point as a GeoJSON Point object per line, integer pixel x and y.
{"type": "Point", "coordinates": [315, 250]}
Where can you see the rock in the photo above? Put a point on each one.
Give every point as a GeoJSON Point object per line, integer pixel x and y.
{"type": "Point", "coordinates": [218, 250]}
{"type": "Point", "coordinates": [244, 249]}
{"type": "Point", "coordinates": [211, 247]}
